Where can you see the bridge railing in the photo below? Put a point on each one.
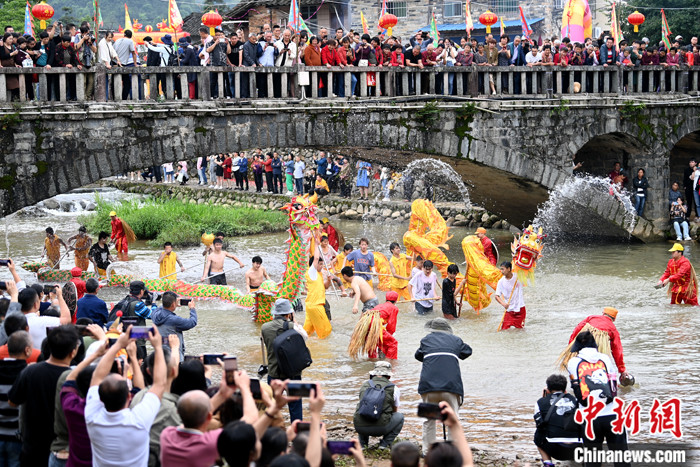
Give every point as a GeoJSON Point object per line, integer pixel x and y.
{"type": "Point", "coordinates": [169, 83]}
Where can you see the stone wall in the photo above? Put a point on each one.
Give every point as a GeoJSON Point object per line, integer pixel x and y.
{"type": "Point", "coordinates": [392, 212]}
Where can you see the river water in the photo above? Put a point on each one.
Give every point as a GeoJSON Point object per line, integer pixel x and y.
{"type": "Point", "coordinates": [507, 371]}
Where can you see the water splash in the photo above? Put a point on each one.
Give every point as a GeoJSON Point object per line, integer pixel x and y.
{"type": "Point", "coordinates": [437, 176]}
{"type": "Point", "coordinates": [585, 207]}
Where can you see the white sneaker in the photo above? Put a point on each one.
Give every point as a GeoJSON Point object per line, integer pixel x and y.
{"type": "Point", "coordinates": [679, 239]}
{"type": "Point", "coordinates": [212, 186]}
{"type": "Point", "coordinates": [687, 239]}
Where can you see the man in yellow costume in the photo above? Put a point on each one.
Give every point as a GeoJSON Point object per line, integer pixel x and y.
{"type": "Point", "coordinates": [52, 248]}
{"type": "Point", "coordinates": [400, 270]}
{"type": "Point", "coordinates": [167, 260]}
{"type": "Point", "coordinates": [316, 285]}
{"type": "Point", "coordinates": [80, 244]}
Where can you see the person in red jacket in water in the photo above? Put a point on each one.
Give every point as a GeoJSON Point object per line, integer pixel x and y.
{"type": "Point", "coordinates": [681, 275]}
{"type": "Point", "coordinates": [606, 323]}
{"type": "Point", "coordinates": [489, 247]}
{"type": "Point", "coordinates": [388, 311]}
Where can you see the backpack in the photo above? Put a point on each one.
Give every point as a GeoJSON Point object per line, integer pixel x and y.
{"type": "Point", "coordinates": [152, 58]}
{"type": "Point", "coordinates": [127, 307]}
{"type": "Point", "coordinates": [593, 377]}
{"type": "Point", "coordinates": [372, 403]}
{"type": "Point", "coordinates": [292, 354]}
{"type": "Point", "coordinates": [172, 59]}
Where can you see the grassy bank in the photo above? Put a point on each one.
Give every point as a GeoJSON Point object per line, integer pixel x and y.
{"type": "Point", "coordinates": [183, 224]}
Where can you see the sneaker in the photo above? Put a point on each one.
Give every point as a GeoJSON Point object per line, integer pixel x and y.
{"type": "Point", "coordinates": [212, 186]}
{"type": "Point", "coordinates": [687, 239]}
{"type": "Point", "coordinates": [678, 239]}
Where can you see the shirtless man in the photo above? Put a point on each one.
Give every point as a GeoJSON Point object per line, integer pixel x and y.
{"type": "Point", "coordinates": [361, 290]}
{"type": "Point", "coordinates": [255, 275]}
{"type": "Point", "coordinates": [215, 263]}
{"type": "Point", "coordinates": [210, 249]}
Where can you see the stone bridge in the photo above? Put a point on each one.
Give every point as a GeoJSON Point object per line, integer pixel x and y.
{"type": "Point", "coordinates": [511, 152]}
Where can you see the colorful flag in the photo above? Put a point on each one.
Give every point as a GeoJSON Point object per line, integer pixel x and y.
{"type": "Point", "coordinates": [127, 19]}
{"type": "Point", "coordinates": [382, 13]}
{"type": "Point", "coordinates": [293, 19]}
{"type": "Point", "coordinates": [503, 26]}
{"type": "Point", "coordinates": [174, 16]}
{"type": "Point", "coordinates": [469, 25]}
{"type": "Point", "coordinates": [98, 14]}
{"type": "Point", "coordinates": [365, 28]}
{"type": "Point", "coordinates": [28, 26]}
{"type": "Point", "coordinates": [526, 28]}
{"type": "Point", "coordinates": [665, 30]}
{"type": "Point", "coordinates": [433, 28]}
{"type": "Point", "coordinates": [615, 27]}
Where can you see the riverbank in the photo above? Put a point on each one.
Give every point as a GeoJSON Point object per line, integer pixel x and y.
{"type": "Point", "coordinates": [161, 220]}
{"type": "Point", "coordinates": [392, 212]}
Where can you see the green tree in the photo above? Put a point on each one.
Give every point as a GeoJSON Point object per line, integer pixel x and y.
{"type": "Point", "coordinates": [681, 22]}
{"type": "Point", "coordinates": [12, 14]}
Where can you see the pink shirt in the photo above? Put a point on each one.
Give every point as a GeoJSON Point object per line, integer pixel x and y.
{"type": "Point", "coordinates": [182, 447]}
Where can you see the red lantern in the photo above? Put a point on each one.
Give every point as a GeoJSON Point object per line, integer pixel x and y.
{"type": "Point", "coordinates": [487, 19]}
{"type": "Point", "coordinates": [212, 19]}
{"type": "Point", "coordinates": [43, 12]}
{"type": "Point", "coordinates": [387, 22]}
{"type": "Point", "coordinates": [149, 28]}
{"type": "Point", "coordinates": [636, 19]}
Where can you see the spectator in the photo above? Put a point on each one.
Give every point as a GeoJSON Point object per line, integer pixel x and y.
{"type": "Point", "coordinates": [422, 287]}
{"type": "Point", "coordinates": [679, 221]}
{"type": "Point", "coordinates": [268, 172]}
{"type": "Point", "coordinates": [169, 323]}
{"type": "Point", "coordinates": [454, 454]}
{"type": "Point", "coordinates": [299, 167]}
{"type": "Point", "coordinates": [35, 390]}
{"type": "Point", "coordinates": [674, 194]}
{"type": "Point", "coordinates": [250, 58]}
{"type": "Point", "coordinates": [132, 306]}
{"type": "Point", "coordinates": [167, 413]}
{"type": "Point", "coordinates": [191, 445]}
{"type": "Point", "coordinates": [606, 389]}
{"type": "Point", "coordinates": [66, 57]}
{"type": "Point", "coordinates": [321, 187]}
{"type": "Point", "coordinates": [30, 303]}
{"type": "Point", "coordinates": [640, 184]}
{"type": "Point", "coordinates": [86, 51]}
{"type": "Point", "coordinates": [557, 434]}
{"type": "Point", "coordinates": [90, 306]}
{"type": "Point", "coordinates": [283, 316]}
{"type": "Point", "coordinates": [128, 58]}
{"type": "Point", "coordinates": [389, 421]}
{"type": "Point", "coordinates": [440, 378]}
{"type": "Point", "coordinates": [258, 168]}
{"type": "Point", "coordinates": [218, 51]}
{"type": "Point", "coordinates": [20, 348]}
{"type": "Point", "coordinates": [277, 168]}
{"type": "Point", "coordinates": [243, 171]}
{"type": "Point", "coordinates": [363, 175]}
{"type": "Point", "coordinates": [13, 323]}
{"type": "Point", "coordinates": [189, 58]}
{"type": "Point", "coordinates": [405, 454]}
{"type": "Point", "coordinates": [111, 424]}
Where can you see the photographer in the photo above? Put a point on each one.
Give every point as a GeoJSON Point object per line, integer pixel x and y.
{"type": "Point", "coordinates": [86, 52]}
{"type": "Point", "coordinates": [138, 304]}
{"type": "Point", "coordinates": [169, 323]}
{"type": "Point", "coordinates": [554, 417]}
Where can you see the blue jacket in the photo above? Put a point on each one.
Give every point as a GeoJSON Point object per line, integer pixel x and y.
{"type": "Point", "coordinates": [322, 166]}
{"type": "Point", "coordinates": [90, 306]}
{"type": "Point", "coordinates": [170, 323]}
{"type": "Point", "coordinates": [289, 167]}
{"type": "Point", "coordinates": [520, 59]}
{"type": "Point", "coordinates": [243, 164]}
{"type": "Point", "coordinates": [440, 353]}
{"type": "Point", "coordinates": [277, 166]}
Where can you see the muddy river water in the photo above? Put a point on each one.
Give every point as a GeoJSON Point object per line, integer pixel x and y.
{"type": "Point", "coordinates": [506, 373]}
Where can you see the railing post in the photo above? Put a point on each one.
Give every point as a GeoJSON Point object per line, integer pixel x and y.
{"type": "Point", "coordinates": [184, 87]}
{"type": "Point", "coordinates": [404, 83]}
{"type": "Point", "coordinates": [473, 83]}
{"type": "Point", "coordinates": [170, 86]}
{"type": "Point", "coordinates": [118, 84]}
{"type": "Point", "coordinates": [363, 84]}
{"type": "Point", "coordinates": [314, 84]}
{"type": "Point", "coordinates": [100, 83]}
{"type": "Point", "coordinates": [204, 87]}
{"type": "Point", "coordinates": [446, 83]}
{"type": "Point", "coordinates": [284, 82]}
{"type": "Point", "coordinates": [62, 87]}
{"type": "Point", "coordinates": [548, 81]}
{"type": "Point", "coordinates": [153, 91]}
{"type": "Point", "coordinates": [43, 87]}
{"type": "Point", "coordinates": [79, 86]}
{"type": "Point", "coordinates": [136, 90]}
{"type": "Point", "coordinates": [22, 88]}
{"type": "Point", "coordinates": [431, 82]}
{"type": "Point", "coordinates": [3, 88]}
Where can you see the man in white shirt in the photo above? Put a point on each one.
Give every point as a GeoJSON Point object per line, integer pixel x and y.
{"type": "Point", "coordinates": [423, 285]}
{"type": "Point", "coordinates": [509, 294]}
{"type": "Point", "coordinates": [105, 55]}
{"type": "Point", "coordinates": [119, 435]}
{"type": "Point", "coordinates": [533, 56]}
{"type": "Point", "coordinates": [30, 303]}
{"type": "Point", "coordinates": [206, 43]}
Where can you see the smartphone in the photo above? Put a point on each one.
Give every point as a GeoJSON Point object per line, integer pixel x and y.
{"type": "Point", "coordinates": [139, 332]}
{"type": "Point", "coordinates": [3, 285]}
{"type": "Point", "coordinates": [83, 330]}
{"type": "Point", "coordinates": [255, 389]}
{"type": "Point", "coordinates": [4, 262]}
{"type": "Point", "coordinates": [185, 301]}
{"type": "Point", "coordinates": [212, 358]}
{"type": "Point", "coordinates": [129, 321]}
{"type": "Point", "coordinates": [48, 288]}
{"type": "Point", "coordinates": [166, 341]}
{"type": "Point", "coordinates": [300, 389]}
{"type": "Point", "coordinates": [303, 426]}
{"type": "Point", "coordinates": [430, 411]}
{"type": "Point", "coordinates": [191, 357]}
{"type": "Point", "coordinates": [112, 341]}
{"type": "Point", "coordinates": [340, 447]}
{"type": "Point", "coordinates": [230, 366]}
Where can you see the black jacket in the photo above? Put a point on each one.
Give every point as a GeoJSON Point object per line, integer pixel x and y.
{"type": "Point", "coordinates": [440, 353]}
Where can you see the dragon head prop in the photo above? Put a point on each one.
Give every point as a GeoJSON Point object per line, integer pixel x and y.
{"type": "Point", "coordinates": [527, 249]}
{"type": "Point", "coordinates": [302, 213]}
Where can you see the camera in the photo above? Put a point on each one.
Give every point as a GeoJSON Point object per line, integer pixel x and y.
{"type": "Point", "coordinates": [431, 411]}
{"type": "Point", "coordinates": [300, 389]}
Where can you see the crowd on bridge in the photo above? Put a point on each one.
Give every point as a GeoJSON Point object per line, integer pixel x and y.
{"type": "Point", "coordinates": [273, 47]}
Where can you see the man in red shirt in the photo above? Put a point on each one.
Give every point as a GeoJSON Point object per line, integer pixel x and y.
{"type": "Point", "coordinates": [388, 312]}
{"type": "Point", "coordinates": [330, 59]}
{"type": "Point", "coordinates": [606, 323]}
{"type": "Point", "coordinates": [331, 232]}
{"type": "Point", "coordinates": [489, 247]}
{"type": "Point", "coordinates": [680, 273]}
{"type": "Point", "coordinates": [119, 237]}
{"type": "Point", "coordinates": [429, 57]}
{"type": "Point", "coordinates": [76, 272]}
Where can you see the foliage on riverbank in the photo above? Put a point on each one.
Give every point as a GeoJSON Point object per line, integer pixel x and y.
{"type": "Point", "coordinates": [180, 223]}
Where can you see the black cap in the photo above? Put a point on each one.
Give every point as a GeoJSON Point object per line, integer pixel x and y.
{"type": "Point", "coordinates": [135, 287]}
